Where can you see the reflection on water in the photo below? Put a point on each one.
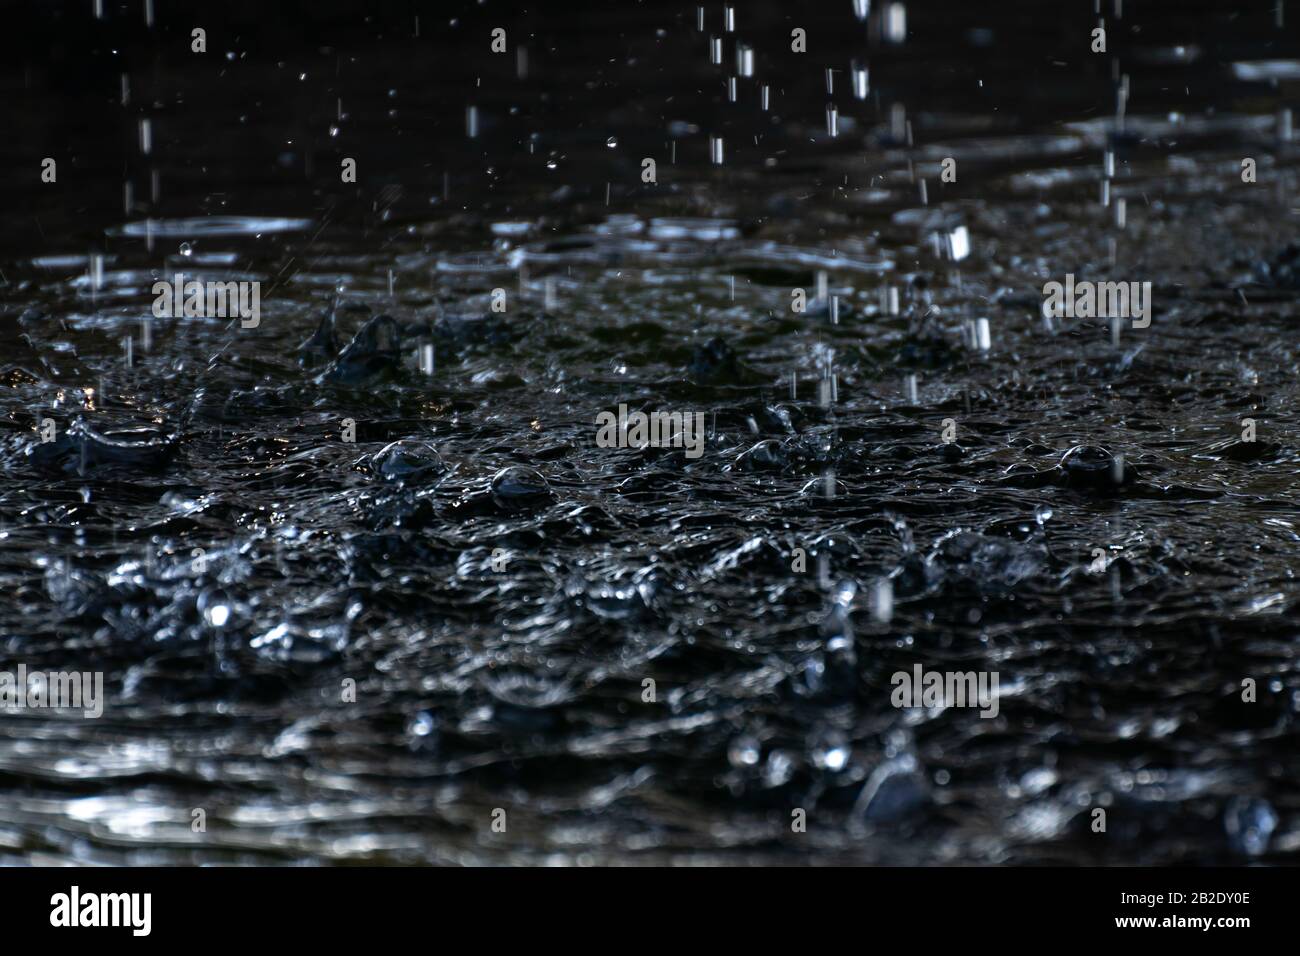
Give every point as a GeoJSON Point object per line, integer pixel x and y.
{"type": "Point", "coordinates": [357, 650]}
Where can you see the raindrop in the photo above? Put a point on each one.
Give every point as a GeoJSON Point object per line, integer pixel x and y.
{"type": "Point", "coordinates": [882, 601]}
{"type": "Point", "coordinates": [896, 23]}
{"type": "Point", "coordinates": [745, 60]}
{"type": "Point", "coordinates": [859, 82]}
{"type": "Point", "coordinates": [898, 122]}
{"type": "Point", "coordinates": [889, 300]}
{"type": "Point", "coordinates": [910, 387]}
{"type": "Point", "coordinates": [958, 243]}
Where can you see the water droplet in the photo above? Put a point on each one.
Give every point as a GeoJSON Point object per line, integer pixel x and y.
{"type": "Point", "coordinates": [424, 732]}
{"type": "Point", "coordinates": [779, 770]}
{"type": "Point", "coordinates": [422, 725]}
{"type": "Point", "coordinates": [612, 142]}
{"type": "Point", "coordinates": [215, 608]}
{"type": "Point", "coordinates": [186, 249]}
{"type": "Point", "coordinates": [830, 751]}
{"type": "Point", "coordinates": [744, 752]}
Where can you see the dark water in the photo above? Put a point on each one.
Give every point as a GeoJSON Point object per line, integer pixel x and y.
{"type": "Point", "coordinates": [230, 563]}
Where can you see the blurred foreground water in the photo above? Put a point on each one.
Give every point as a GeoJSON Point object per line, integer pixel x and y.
{"type": "Point", "coordinates": [358, 651]}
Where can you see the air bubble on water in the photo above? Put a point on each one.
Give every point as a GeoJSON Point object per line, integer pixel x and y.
{"type": "Point", "coordinates": [186, 249]}
{"type": "Point", "coordinates": [551, 164]}
{"type": "Point", "coordinates": [612, 142]}
{"type": "Point", "coordinates": [1042, 514]}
